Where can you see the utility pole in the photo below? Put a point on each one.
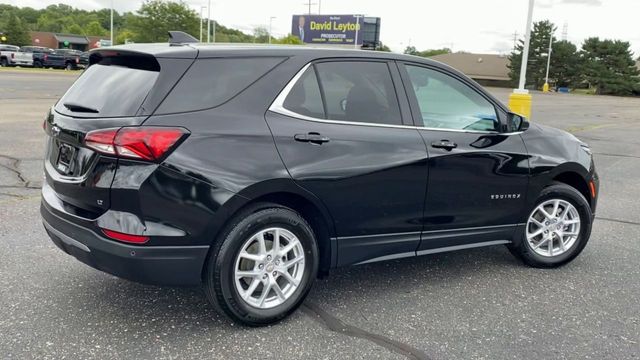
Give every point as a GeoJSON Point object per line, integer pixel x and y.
{"type": "Point", "coordinates": [201, 19]}
{"type": "Point", "coordinates": [111, 21]}
{"type": "Point", "coordinates": [270, 24]}
{"type": "Point", "coordinates": [209, 22]}
{"type": "Point", "coordinates": [355, 43]}
{"type": "Point", "coordinates": [309, 4]}
{"type": "Point", "coordinates": [520, 99]}
{"type": "Point", "coordinates": [545, 87]}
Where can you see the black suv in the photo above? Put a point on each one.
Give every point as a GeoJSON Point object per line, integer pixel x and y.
{"type": "Point", "coordinates": [253, 170]}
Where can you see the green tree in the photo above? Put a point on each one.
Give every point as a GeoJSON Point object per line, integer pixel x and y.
{"type": "Point", "coordinates": [16, 32]}
{"type": "Point", "coordinates": [94, 28]}
{"type": "Point", "coordinates": [124, 36]}
{"type": "Point", "coordinates": [383, 47]}
{"type": "Point", "coordinates": [538, 49]}
{"type": "Point", "coordinates": [608, 66]}
{"type": "Point", "coordinates": [73, 29]}
{"type": "Point", "coordinates": [289, 40]}
{"type": "Point", "coordinates": [261, 34]}
{"type": "Point", "coordinates": [565, 64]}
{"type": "Point", "coordinates": [156, 17]}
{"type": "Point", "coordinates": [410, 50]}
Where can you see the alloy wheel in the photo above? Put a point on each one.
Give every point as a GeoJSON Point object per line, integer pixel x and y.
{"type": "Point", "coordinates": [269, 267]}
{"type": "Point", "coordinates": [553, 227]}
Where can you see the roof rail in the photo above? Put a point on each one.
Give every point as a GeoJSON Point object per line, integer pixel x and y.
{"type": "Point", "coordinates": [181, 37]}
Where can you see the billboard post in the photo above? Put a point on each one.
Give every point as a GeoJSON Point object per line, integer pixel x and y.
{"type": "Point", "coordinates": [355, 43]}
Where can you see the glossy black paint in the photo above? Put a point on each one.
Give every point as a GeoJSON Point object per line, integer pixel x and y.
{"type": "Point", "coordinates": [374, 192]}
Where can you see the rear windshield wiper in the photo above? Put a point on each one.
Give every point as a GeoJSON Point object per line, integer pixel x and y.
{"type": "Point", "coordinates": [80, 108]}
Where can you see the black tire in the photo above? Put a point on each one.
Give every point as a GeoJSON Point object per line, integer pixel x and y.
{"type": "Point", "coordinates": [521, 248]}
{"type": "Point", "coordinates": [37, 64]}
{"type": "Point", "coordinates": [69, 66]}
{"type": "Point", "coordinates": [4, 62]}
{"type": "Point", "coordinates": [219, 280]}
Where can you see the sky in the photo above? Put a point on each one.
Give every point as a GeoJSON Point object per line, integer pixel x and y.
{"type": "Point", "coordinates": [481, 26]}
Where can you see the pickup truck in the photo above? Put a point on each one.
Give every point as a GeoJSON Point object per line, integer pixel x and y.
{"type": "Point", "coordinates": [60, 58]}
{"type": "Point", "coordinates": [11, 55]}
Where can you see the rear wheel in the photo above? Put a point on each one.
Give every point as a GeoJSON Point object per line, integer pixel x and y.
{"type": "Point", "coordinates": [557, 229]}
{"type": "Point", "coordinates": [37, 64]}
{"type": "Point", "coordinates": [264, 266]}
{"type": "Point", "coordinates": [4, 62]}
{"type": "Point", "coordinates": [69, 66]}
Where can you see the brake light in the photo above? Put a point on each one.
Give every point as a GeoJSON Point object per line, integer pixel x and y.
{"type": "Point", "coordinates": [46, 57]}
{"type": "Point", "coordinates": [134, 239]}
{"type": "Point", "coordinates": [77, 60]}
{"type": "Point", "coordinates": [143, 143]}
{"type": "Point", "coordinates": [13, 55]}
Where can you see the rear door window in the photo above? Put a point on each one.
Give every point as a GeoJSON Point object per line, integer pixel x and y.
{"type": "Point", "coordinates": [304, 98]}
{"type": "Point", "coordinates": [212, 82]}
{"type": "Point", "coordinates": [359, 91]}
{"type": "Point", "coordinates": [113, 87]}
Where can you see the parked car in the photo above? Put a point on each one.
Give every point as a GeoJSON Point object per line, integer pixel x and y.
{"type": "Point", "coordinates": [253, 170]}
{"type": "Point", "coordinates": [11, 55]}
{"type": "Point", "coordinates": [59, 58]}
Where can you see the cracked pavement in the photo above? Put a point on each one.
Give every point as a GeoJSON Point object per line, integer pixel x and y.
{"type": "Point", "coordinates": [473, 304]}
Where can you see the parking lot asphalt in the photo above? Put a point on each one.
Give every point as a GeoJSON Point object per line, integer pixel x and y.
{"type": "Point", "coordinates": [472, 304]}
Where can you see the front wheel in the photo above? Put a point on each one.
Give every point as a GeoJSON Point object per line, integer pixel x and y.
{"type": "Point", "coordinates": [557, 229]}
{"type": "Point", "coordinates": [264, 266]}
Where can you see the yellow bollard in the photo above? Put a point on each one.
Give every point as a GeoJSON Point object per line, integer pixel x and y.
{"type": "Point", "coordinates": [545, 87]}
{"type": "Point", "coordinates": [520, 103]}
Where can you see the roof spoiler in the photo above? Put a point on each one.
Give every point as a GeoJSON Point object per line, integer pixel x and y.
{"type": "Point", "coordinates": [181, 37]}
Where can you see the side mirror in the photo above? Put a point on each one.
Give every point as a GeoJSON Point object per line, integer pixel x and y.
{"type": "Point", "coordinates": [517, 122]}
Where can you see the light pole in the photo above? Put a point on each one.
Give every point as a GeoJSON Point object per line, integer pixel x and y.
{"type": "Point", "coordinates": [520, 99]}
{"type": "Point", "coordinates": [111, 23]}
{"type": "Point", "coordinates": [355, 42]}
{"type": "Point", "coordinates": [545, 87]}
{"type": "Point", "coordinates": [201, 19]}
{"type": "Point", "coordinates": [270, 24]}
{"type": "Point", "coordinates": [209, 22]}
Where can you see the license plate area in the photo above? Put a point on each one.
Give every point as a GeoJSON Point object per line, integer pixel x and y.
{"type": "Point", "coordinates": [66, 154]}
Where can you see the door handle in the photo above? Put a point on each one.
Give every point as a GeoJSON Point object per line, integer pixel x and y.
{"type": "Point", "coordinates": [444, 144]}
{"type": "Point", "coordinates": [312, 137]}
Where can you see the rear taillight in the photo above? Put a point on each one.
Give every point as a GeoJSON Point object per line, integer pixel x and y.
{"type": "Point", "coordinates": [77, 60]}
{"type": "Point", "coordinates": [46, 57]}
{"type": "Point", "coordinates": [130, 238]}
{"type": "Point", "coordinates": [143, 143]}
{"type": "Point", "coordinates": [13, 56]}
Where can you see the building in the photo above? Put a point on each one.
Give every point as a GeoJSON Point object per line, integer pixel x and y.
{"type": "Point", "coordinates": [65, 41]}
{"type": "Point", "coordinates": [486, 69]}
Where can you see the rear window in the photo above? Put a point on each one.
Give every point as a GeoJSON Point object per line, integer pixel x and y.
{"type": "Point", "coordinates": [113, 87]}
{"type": "Point", "coordinates": [212, 82]}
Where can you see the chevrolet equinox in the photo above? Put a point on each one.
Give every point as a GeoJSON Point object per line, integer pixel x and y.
{"type": "Point", "coordinates": [252, 170]}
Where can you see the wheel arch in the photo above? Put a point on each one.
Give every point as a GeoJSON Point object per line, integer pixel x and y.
{"type": "Point", "coordinates": [286, 193]}
{"type": "Point", "coordinates": [576, 181]}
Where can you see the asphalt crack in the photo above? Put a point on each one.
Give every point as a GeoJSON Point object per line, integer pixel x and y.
{"type": "Point", "coordinates": [336, 325]}
{"type": "Point", "coordinates": [15, 168]}
{"type": "Point", "coordinates": [618, 221]}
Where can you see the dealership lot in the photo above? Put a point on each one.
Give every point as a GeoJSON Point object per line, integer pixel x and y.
{"type": "Point", "coordinates": [469, 304]}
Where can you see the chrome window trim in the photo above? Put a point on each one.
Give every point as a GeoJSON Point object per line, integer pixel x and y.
{"type": "Point", "coordinates": [278, 107]}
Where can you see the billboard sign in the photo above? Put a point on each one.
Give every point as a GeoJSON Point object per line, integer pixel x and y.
{"type": "Point", "coordinates": [327, 29]}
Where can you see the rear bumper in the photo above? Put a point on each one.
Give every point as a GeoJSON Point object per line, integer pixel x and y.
{"type": "Point", "coordinates": [160, 265]}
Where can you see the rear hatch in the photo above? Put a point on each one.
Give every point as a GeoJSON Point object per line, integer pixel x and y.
{"type": "Point", "coordinates": [120, 89]}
